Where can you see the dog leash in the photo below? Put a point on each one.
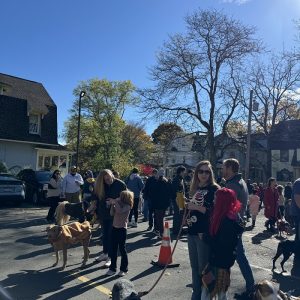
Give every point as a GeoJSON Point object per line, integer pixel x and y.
{"type": "Point", "coordinates": [185, 216]}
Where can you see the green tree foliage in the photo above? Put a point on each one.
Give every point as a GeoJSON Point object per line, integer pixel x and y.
{"type": "Point", "coordinates": [136, 140]}
{"type": "Point", "coordinates": [106, 141]}
{"type": "Point", "coordinates": [165, 133]}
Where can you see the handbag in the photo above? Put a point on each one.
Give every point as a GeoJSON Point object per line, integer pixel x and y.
{"type": "Point", "coordinates": [180, 200]}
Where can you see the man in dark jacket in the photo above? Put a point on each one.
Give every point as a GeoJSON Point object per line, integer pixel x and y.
{"type": "Point", "coordinates": [235, 182]}
{"type": "Point", "coordinates": [177, 187]}
{"type": "Point", "coordinates": [161, 201]}
{"type": "Point", "coordinates": [148, 194]}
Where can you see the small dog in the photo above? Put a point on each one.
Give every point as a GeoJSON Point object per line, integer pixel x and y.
{"type": "Point", "coordinates": [283, 226]}
{"type": "Point", "coordinates": [267, 290]}
{"type": "Point", "coordinates": [286, 248]}
{"type": "Point", "coordinates": [61, 237]}
{"type": "Point", "coordinates": [65, 210]}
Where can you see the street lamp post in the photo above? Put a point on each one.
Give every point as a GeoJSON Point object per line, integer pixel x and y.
{"type": "Point", "coordinates": [253, 106]}
{"type": "Point", "coordinates": [82, 93]}
{"type": "Point", "coordinates": [248, 137]}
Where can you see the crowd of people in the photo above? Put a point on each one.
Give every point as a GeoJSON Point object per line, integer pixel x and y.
{"type": "Point", "coordinates": [215, 215]}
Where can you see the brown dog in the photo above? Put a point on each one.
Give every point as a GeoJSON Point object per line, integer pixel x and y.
{"type": "Point", "coordinates": [61, 237]}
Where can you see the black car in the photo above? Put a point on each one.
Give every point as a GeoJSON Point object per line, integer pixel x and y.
{"type": "Point", "coordinates": [36, 184]}
{"type": "Point", "coordinates": [11, 189]}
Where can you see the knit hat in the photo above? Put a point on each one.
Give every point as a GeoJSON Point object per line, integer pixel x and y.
{"type": "Point", "coordinates": [161, 173]}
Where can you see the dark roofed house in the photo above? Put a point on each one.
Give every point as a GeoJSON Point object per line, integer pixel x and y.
{"type": "Point", "coordinates": [284, 144]}
{"type": "Point", "coordinates": [28, 126]}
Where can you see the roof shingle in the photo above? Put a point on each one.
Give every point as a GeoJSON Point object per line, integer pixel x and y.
{"type": "Point", "coordinates": [34, 92]}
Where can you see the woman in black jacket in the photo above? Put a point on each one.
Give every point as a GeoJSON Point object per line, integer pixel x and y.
{"type": "Point", "coordinates": [224, 232]}
{"type": "Point", "coordinates": [107, 187]}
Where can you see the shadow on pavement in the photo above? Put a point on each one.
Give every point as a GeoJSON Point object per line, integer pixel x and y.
{"type": "Point", "coordinates": [34, 240]}
{"type": "Point", "coordinates": [17, 224]}
{"type": "Point", "coordinates": [32, 284]}
{"type": "Point", "coordinates": [258, 238]}
{"type": "Point", "coordinates": [35, 253]}
{"type": "Point", "coordinates": [287, 283]}
{"type": "Point", "coordinates": [151, 270]}
{"type": "Point", "coordinates": [147, 239]}
{"type": "Point", "coordinates": [78, 289]}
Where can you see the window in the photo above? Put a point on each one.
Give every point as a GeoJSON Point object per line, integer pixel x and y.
{"type": "Point", "coordinates": [54, 161]}
{"type": "Point", "coordinates": [284, 155]}
{"type": "Point", "coordinates": [40, 164]}
{"type": "Point", "coordinates": [47, 162]}
{"type": "Point", "coordinates": [34, 124]}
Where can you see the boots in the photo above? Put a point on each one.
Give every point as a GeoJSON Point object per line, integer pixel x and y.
{"type": "Point", "coordinates": [253, 223]}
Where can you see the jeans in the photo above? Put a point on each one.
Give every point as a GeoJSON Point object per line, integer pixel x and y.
{"type": "Point", "coordinates": [159, 215]}
{"type": "Point", "coordinates": [135, 210]}
{"type": "Point", "coordinates": [243, 263]}
{"type": "Point", "coordinates": [198, 252]}
{"type": "Point", "coordinates": [118, 242]}
{"type": "Point", "coordinates": [106, 236]}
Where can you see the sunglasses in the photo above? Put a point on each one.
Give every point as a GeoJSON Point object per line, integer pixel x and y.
{"type": "Point", "coordinates": [207, 172]}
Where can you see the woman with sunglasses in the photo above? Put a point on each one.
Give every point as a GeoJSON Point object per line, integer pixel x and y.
{"type": "Point", "coordinates": [53, 194]}
{"type": "Point", "coordinates": [203, 188]}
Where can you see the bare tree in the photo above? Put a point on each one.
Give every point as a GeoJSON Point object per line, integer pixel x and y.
{"type": "Point", "coordinates": [275, 87]}
{"type": "Point", "coordinates": [192, 70]}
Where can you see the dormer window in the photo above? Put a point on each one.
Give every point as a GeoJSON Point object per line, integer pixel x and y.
{"type": "Point", "coordinates": [34, 124]}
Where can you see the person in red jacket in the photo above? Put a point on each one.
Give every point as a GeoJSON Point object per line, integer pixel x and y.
{"type": "Point", "coordinates": [271, 198]}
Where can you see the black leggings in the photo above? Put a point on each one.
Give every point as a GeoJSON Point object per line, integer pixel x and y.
{"type": "Point", "coordinates": [135, 210]}
{"type": "Point", "coordinates": [53, 202]}
{"type": "Point", "coordinates": [119, 242]}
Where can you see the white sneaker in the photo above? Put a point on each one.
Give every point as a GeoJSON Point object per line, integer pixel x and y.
{"type": "Point", "coordinates": [110, 273]}
{"type": "Point", "coordinates": [107, 263]}
{"type": "Point", "coordinates": [122, 274]}
{"type": "Point", "coordinates": [101, 257]}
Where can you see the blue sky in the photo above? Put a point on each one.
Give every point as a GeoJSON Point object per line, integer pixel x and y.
{"type": "Point", "coordinates": [61, 42]}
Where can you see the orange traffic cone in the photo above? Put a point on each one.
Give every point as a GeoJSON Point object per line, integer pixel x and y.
{"type": "Point", "coordinates": [165, 257]}
{"type": "Point", "coordinates": [165, 253]}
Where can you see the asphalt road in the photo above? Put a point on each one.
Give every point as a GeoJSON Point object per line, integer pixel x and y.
{"type": "Point", "coordinates": [26, 259]}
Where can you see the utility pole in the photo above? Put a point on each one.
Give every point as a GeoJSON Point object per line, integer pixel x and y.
{"type": "Point", "coordinates": [249, 137]}
{"type": "Point", "coordinates": [82, 93]}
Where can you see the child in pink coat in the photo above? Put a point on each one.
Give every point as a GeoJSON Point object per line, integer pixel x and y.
{"type": "Point", "coordinates": [254, 202]}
